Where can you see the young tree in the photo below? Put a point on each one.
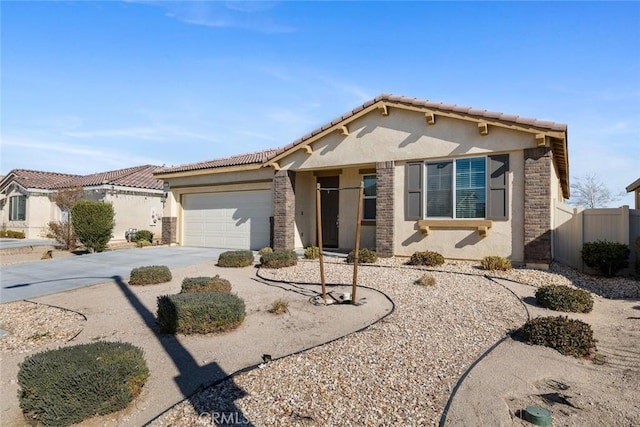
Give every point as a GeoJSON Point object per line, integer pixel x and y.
{"type": "Point", "coordinates": [62, 231]}
{"type": "Point", "coordinates": [588, 191]}
{"type": "Point", "coordinates": [93, 223]}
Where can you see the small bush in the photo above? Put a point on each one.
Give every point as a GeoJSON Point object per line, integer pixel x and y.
{"type": "Point", "coordinates": [426, 280]}
{"type": "Point", "coordinates": [11, 234]}
{"type": "Point", "coordinates": [564, 298]}
{"type": "Point", "coordinates": [427, 258]}
{"type": "Point", "coordinates": [235, 259]}
{"type": "Point", "coordinates": [279, 259]}
{"type": "Point", "coordinates": [265, 250]}
{"type": "Point", "coordinates": [65, 386]}
{"type": "Point", "coordinates": [312, 252]}
{"type": "Point", "coordinates": [205, 284]}
{"type": "Point", "coordinates": [142, 235]}
{"type": "Point", "coordinates": [570, 337]}
{"type": "Point", "coordinates": [150, 275]}
{"type": "Point", "coordinates": [63, 233]}
{"type": "Point", "coordinates": [143, 243]}
{"type": "Point", "coordinates": [365, 256]}
{"type": "Point", "coordinates": [607, 257]}
{"type": "Point", "coordinates": [495, 263]}
{"type": "Point", "coordinates": [199, 313]}
{"type": "Point", "coordinates": [279, 306]}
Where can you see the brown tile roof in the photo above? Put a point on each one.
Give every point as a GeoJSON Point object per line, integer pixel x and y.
{"type": "Point", "coordinates": [36, 179]}
{"type": "Point", "coordinates": [241, 159]}
{"type": "Point", "coordinates": [137, 177]}
{"type": "Point", "coordinates": [437, 106]}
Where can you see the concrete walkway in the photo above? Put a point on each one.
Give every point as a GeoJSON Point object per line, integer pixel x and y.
{"type": "Point", "coordinates": [23, 243]}
{"type": "Point", "coordinates": [30, 280]}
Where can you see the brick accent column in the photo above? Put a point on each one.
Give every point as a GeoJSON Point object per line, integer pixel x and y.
{"type": "Point", "coordinates": [284, 210]}
{"type": "Point", "coordinates": [384, 208]}
{"type": "Point", "coordinates": [169, 229]}
{"type": "Point", "coordinates": [537, 205]}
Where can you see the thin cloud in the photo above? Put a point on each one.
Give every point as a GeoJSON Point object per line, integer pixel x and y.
{"type": "Point", "coordinates": [144, 133]}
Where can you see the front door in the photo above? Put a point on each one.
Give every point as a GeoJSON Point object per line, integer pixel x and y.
{"type": "Point", "coordinates": [329, 201]}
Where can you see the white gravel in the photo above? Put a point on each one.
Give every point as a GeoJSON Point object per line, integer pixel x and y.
{"type": "Point", "coordinates": [400, 371]}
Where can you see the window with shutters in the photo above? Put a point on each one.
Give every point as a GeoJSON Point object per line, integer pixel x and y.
{"type": "Point", "coordinates": [471, 188]}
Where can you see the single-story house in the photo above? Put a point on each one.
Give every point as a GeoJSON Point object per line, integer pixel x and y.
{"type": "Point", "coordinates": [136, 195]}
{"type": "Point", "coordinates": [635, 187]}
{"type": "Point", "coordinates": [461, 181]}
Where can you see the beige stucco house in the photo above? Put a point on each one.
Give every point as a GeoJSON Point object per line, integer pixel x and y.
{"type": "Point", "coordinates": [136, 195]}
{"type": "Point", "coordinates": [464, 182]}
{"type": "Point", "coordinates": [635, 187]}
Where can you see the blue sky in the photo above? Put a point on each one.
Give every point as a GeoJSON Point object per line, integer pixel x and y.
{"type": "Point", "coordinates": [94, 86]}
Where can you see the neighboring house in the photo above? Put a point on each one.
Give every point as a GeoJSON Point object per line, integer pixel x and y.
{"type": "Point", "coordinates": [464, 182]}
{"type": "Point", "coordinates": [635, 187]}
{"type": "Point", "coordinates": [136, 195]}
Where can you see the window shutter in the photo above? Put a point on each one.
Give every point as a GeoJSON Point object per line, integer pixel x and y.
{"type": "Point", "coordinates": [413, 194]}
{"type": "Point", "coordinates": [498, 181]}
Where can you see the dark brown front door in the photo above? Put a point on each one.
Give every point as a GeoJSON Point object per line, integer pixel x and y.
{"type": "Point", "coordinates": [329, 201]}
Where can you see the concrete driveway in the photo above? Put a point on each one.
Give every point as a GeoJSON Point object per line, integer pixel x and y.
{"type": "Point", "coordinates": [29, 280]}
{"type": "Point", "coordinates": [22, 243]}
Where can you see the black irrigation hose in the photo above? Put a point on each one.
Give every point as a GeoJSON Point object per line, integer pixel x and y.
{"type": "Point", "coordinates": [252, 367]}
{"type": "Point", "coordinates": [445, 411]}
{"type": "Point", "coordinates": [65, 309]}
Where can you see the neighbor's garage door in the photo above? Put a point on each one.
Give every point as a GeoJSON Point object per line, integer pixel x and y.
{"type": "Point", "coordinates": [238, 220]}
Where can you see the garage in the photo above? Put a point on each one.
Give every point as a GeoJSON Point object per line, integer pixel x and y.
{"type": "Point", "coordinates": [234, 220]}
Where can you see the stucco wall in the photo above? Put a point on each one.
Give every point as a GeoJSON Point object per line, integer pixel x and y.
{"type": "Point", "coordinates": [404, 135]}
{"type": "Point", "coordinates": [135, 211]}
{"type": "Point", "coordinates": [504, 238]}
{"type": "Point", "coordinates": [39, 211]}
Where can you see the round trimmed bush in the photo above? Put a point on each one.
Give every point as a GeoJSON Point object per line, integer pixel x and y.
{"type": "Point", "coordinates": [312, 252]}
{"type": "Point", "coordinates": [205, 284]}
{"type": "Point", "coordinates": [279, 259]}
{"type": "Point", "coordinates": [564, 298]}
{"type": "Point", "coordinates": [199, 313]}
{"type": "Point", "coordinates": [608, 257]}
{"type": "Point", "coordinates": [235, 259]}
{"type": "Point", "coordinates": [150, 275]}
{"type": "Point", "coordinates": [65, 386]}
{"type": "Point", "coordinates": [365, 256]}
{"type": "Point", "coordinates": [141, 235]}
{"type": "Point", "coordinates": [265, 250]}
{"type": "Point", "coordinates": [427, 258]}
{"type": "Point", "coordinates": [570, 337]}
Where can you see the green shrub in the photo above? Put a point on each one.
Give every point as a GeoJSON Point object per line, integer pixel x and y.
{"type": "Point", "coordinates": [428, 258]}
{"type": "Point", "coordinates": [150, 275]}
{"type": "Point", "coordinates": [426, 280]}
{"type": "Point", "coordinates": [312, 252]}
{"type": "Point", "coordinates": [143, 243]}
{"type": "Point", "coordinates": [495, 263]}
{"type": "Point", "coordinates": [564, 298]}
{"type": "Point", "coordinates": [142, 235]}
{"type": "Point", "coordinates": [607, 257]}
{"type": "Point", "coordinates": [265, 250]}
{"type": "Point", "coordinates": [570, 337]}
{"type": "Point", "coordinates": [235, 259]}
{"type": "Point", "coordinates": [65, 386]}
{"type": "Point", "coordinates": [279, 306]}
{"type": "Point", "coordinates": [93, 223]}
{"type": "Point", "coordinates": [11, 234]}
{"type": "Point", "coordinates": [199, 313]}
{"type": "Point", "coordinates": [205, 284]}
{"type": "Point", "coordinates": [365, 256]}
{"type": "Point", "coordinates": [279, 259]}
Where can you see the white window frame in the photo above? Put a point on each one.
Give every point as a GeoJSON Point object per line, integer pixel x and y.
{"type": "Point", "coordinates": [14, 208]}
{"type": "Point", "coordinates": [453, 186]}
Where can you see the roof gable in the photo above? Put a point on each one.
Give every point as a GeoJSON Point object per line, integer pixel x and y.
{"type": "Point", "coordinates": [41, 180]}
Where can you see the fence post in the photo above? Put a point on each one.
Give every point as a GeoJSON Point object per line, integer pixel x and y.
{"type": "Point", "coordinates": [578, 220]}
{"type": "Point", "coordinates": [624, 224]}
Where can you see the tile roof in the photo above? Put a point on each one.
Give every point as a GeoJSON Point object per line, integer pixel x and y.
{"type": "Point", "coordinates": [37, 179]}
{"type": "Point", "coordinates": [436, 106]}
{"type": "Point", "coordinates": [137, 177]}
{"type": "Point", "coordinates": [258, 157]}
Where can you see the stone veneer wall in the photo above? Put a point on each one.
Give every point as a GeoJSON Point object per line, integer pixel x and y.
{"type": "Point", "coordinates": [169, 229]}
{"type": "Point", "coordinates": [537, 205]}
{"type": "Point", "coordinates": [384, 208]}
{"type": "Point", "coordinates": [284, 210]}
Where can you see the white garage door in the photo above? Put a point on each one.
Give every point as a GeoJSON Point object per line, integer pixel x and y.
{"type": "Point", "coordinates": [238, 220]}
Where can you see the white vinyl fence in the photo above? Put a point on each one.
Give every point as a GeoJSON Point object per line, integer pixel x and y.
{"type": "Point", "coordinates": [575, 226]}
